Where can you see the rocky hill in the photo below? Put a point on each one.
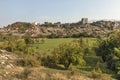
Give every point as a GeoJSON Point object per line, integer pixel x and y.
{"type": "Point", "coordinates": [95, 29]}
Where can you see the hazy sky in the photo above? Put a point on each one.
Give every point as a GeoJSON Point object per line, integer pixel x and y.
{"type": "Point", "coordinates": [57, 10]}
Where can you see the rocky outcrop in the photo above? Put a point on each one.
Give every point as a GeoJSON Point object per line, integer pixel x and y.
{"type": "Point", "coordinates": [8, 67]}
{"type": "Point", "coordinates": [7, 59]}
{"type": "Point", "coordinates": [95, 29]}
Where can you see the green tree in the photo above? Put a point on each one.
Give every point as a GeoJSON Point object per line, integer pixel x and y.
{"type": "Point", "coordinates": [11, 46]}
{"type": "Point", "coordinates": [29, 50]}
{"type": "Point", "coordinates": [109, 49]}
{"type": "Point", "coordinates": [68, 54]}
{"type": "Point", "coordinates": [117, 66]}
{"type": "Point", "coordinates": [28, 40]}
{"type": "Point", "coordinates": [20, 45]}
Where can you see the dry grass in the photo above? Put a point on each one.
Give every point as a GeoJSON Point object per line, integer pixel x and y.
{"type": "Point", "coordinates": [42, 73]}
{"type": "Point", "coordinates": [50, 74]}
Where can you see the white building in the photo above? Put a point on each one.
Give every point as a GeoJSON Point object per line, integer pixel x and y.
{"type": "Point", "coordinates": [35, 23]}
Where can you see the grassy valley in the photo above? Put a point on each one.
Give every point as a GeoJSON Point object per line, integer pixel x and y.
{"type": "Point", "coordinates": [51, 55]}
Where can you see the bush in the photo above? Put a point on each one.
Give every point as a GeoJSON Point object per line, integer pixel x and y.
{"type": "Point", "coordinates": [96, 75]}
{"type": "Point", "coordinates": [28, 61]}
{"type": "Point", "coordinates": [53, 35]}
{"type": "Point", "coordinates": [48, 61]}
{"type": "Point", "coordinates": [28, 40]}
{"type": "Point", "coordinates": [92, 60]}
{"type": "Point", "coordinates": [24, 74]}
{"type": "Point", "coordinates": [118, 75]}
{"type": "Point", "coordinates": [68, 54]}
{"type": "Point", "coordinates": [109, 50]}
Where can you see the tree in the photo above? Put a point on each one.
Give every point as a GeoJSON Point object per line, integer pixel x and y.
{"type": "Point", "coordinates": [117, 66]}
{"type": "Point", "coordinates": [29, 50]}
{"type": "Point", "coordinates": [11, 46]}
{"type": "Point", "coordinates": [53, 35]}
{"type": "Point", "coordinates": [69, 53]}
{"type": "Point", "coordinates": [20, 45]}
{"type": "Point", "coordinates": [28, 40]}
{"type": "Point", "coordinates": [109, 49]}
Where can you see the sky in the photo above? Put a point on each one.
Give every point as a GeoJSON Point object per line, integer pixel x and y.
{"type": "Point", "coordinates": [57, 10]}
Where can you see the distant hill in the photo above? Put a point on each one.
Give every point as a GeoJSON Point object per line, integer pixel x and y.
{"type": "Point", "coordinates": [56, 30]}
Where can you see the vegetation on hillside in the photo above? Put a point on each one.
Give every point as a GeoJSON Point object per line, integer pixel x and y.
{"type": "Point", "coordinates": [51, 30]}
{"type": "Point", "coordinates": [109, 50]}
{"type": "Point", "coordinates": [94, 56]}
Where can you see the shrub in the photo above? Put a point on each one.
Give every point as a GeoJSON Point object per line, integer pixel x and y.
{"type": "Point", "coordinates": [92, 60]}
{"type": "Point", "coordinates": [96, 75]}
{"type": "Point", "coordinates": [48, 61]}
{"type": "Point", "coordinates": [28, 61]}
{"type": "Point", "coordinates": [53, 35]}
{"type": "Point", "coordinates": [24, 74]}
{"type": "Point", "coordinates": [118, 75]}
{"type": "Point", "coordinates": [68, 54]}
{"type": "Point", "coordinates": [109, 50]}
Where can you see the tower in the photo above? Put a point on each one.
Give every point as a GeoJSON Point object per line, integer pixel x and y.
{"type": "Point", "coordinates": [84, 20]}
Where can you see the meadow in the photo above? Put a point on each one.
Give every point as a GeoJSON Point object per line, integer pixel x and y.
{"type": "Point", "coordinates": [49, 44]}
{"type": "Point", "coordinates": [45, 47]}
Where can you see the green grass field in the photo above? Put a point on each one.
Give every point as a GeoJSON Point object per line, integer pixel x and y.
{"type": "Point", "coordinates": [50, 44]}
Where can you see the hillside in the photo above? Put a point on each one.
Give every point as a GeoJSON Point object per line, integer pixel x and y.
{"type": "Point", "coordinates": [46, 59]}
{"type": "Point", "coordinates": [10, 71]}
{"type": "Point", "coordinates": [95, 29]}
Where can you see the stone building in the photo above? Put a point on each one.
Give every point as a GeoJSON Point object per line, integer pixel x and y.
{"type": "Point", "coordinates": [84, 20]}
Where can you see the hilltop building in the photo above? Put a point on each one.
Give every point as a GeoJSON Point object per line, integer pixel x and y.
{"type": "Point", "coordinates": [35, 23]}
{"type": "Point", "coordinates": [84, 20]}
